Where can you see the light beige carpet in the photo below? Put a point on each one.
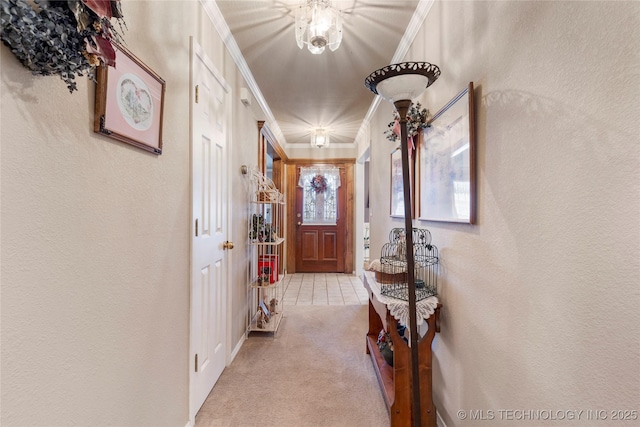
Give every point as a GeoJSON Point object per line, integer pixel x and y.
{"type": "Point", "coordinates": [315, 372]}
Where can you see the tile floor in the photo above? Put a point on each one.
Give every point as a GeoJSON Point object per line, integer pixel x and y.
{"type": "Point", "coordinates": [324, 289]}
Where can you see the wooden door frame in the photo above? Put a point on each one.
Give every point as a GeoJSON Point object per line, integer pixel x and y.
{"type": "Point", "coordinates": [292, 167]}
{"type": "Point", "coordinates": [267, 142]}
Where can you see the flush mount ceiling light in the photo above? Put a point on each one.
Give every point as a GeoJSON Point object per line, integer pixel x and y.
{"type": "Point", "coordinates": [320, 138]}
{"type": "Point", "coordinates": [318, 25]}
{"type": "Point", "coordinates": [400, 83]}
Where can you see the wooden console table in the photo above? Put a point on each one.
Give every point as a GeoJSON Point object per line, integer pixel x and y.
{"type": "Point", "coordinates": [395, 381]}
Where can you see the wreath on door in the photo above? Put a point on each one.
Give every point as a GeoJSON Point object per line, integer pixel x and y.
{"type": "Point", "coordinates": [319, 184]}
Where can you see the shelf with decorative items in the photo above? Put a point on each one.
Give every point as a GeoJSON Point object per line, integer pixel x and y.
{"type": "Point", "coordinates": [389, 350]}
{"type": "Point", "coordinates": [266, 270]}
{"type": "Point", "coordinates": [389, 314]}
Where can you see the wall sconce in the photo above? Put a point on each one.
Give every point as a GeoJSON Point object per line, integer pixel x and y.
{"type": "Point", "coordinates": [320, 138]}
{"type": "Point", "coordinates": [400, 83]}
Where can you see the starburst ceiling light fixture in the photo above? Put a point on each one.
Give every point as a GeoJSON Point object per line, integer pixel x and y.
{"type": "Point", "coordinates": [400, 83]}
{"type": "Point", "coordinates": [320, 138]}
{"type": "Point", "coordinates": [318, 25]}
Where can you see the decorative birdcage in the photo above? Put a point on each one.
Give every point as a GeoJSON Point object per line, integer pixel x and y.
{"type": "Point", "coordinates": [393, 265]}
{"type": "Point", "coordinates": [426, 269]}
{"type": "Point", "coordinates": [420, 236]}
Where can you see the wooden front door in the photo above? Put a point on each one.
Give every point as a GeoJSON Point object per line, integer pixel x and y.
{"type": "Point", "coordinates": [320, 239]}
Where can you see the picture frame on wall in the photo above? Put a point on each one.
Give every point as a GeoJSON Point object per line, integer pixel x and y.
{"type": "Point", "coordinates": [129, 102]}
{"type": "Point", "coordinates": [447, 162]}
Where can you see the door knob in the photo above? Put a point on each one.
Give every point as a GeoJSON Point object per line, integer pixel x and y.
{"type": "Point", "coordinates": [227, 245]}
{"type": "Point", "coordinates": [299, 223]}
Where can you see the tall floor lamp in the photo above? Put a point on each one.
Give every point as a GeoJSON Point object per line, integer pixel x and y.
{"type": "Point", "coordinates": [400, 83]}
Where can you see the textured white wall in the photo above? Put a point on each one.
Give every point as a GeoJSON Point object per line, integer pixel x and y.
{"type": "Point", "coordinates": [380, 181]}
{"type": "Point", "coordinates": [244, 148]}
{"type": "Point", "coordinates": [540, 297]}
{"type": "Point", "coordinates": [95, 246]}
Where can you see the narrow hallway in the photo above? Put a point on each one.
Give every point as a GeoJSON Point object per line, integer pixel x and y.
{"type": "Point", "coordinates": [313, 372]}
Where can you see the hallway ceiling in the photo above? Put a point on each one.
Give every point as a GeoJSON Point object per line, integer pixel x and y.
{"type": "Point", "coordinates": [305, 91]}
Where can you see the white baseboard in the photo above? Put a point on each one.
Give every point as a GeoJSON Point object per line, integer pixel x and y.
{"type": "Point", "coordinates": [235, 351]}
{"type": "Point", "coordinates": [439, 421]}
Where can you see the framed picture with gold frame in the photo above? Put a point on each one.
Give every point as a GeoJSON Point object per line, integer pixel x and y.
{"type": "Point", "coordinates": [130, 102]}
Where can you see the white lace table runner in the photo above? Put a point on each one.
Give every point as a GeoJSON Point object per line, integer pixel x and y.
{"type": "Point", "coordinates": [400, 309]}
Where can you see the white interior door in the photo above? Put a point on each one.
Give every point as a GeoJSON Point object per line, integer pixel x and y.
{"type": "Point", "coordinates": [209, 119]}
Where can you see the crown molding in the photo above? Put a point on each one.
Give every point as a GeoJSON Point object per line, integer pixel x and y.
{"type": "Point", "coordinates": [214, 14]}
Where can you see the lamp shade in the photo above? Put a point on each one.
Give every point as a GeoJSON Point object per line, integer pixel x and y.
{"type": "Point", "coordinates": [402, 81]}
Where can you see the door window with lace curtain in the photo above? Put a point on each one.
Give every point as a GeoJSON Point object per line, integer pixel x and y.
{"type": "Point", "coordinates": [320, 195]}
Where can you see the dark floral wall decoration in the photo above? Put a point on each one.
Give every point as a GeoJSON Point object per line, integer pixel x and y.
{"type": "Point", "coordinates": [66, 38]}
